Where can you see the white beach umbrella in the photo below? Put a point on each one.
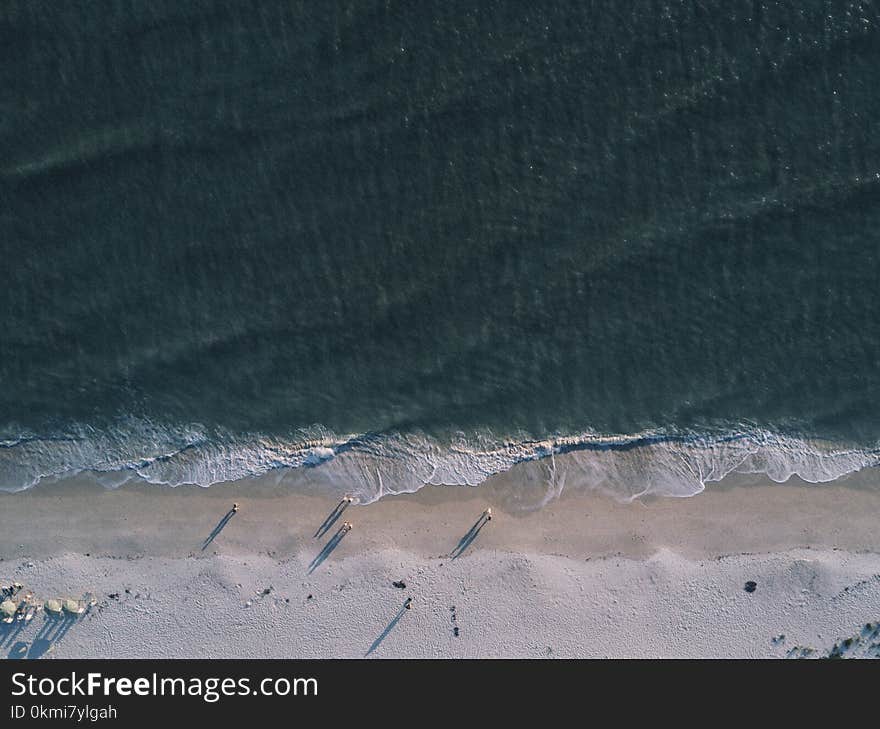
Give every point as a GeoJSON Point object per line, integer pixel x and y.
{"type": "Point", "coordinates": [74, 607]}
{"type": "Point", "coordinates": [54, 606]}
{"type": "Point", "coordinates": [7, 609]}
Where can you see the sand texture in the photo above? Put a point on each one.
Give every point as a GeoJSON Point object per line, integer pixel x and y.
{"type": "Point", "coordinates": [583, 577]}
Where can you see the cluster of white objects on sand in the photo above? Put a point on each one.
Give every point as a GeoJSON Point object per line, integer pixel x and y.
{"type": "Point", "coordinates": [18, 605]}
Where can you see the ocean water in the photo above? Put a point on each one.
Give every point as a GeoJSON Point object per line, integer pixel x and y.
{"type": "Point", "coordinates": [409, 243]}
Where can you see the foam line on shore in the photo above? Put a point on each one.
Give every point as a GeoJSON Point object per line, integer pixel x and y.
{"type": "Point", "coordinates": [371, 466]}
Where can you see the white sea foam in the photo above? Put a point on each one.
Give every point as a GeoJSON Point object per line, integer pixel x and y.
{"type": "Point", "coordinates": [372, 466]}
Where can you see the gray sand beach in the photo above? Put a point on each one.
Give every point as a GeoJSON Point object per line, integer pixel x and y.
{"type": "Point", "coordinates": [584, 576]}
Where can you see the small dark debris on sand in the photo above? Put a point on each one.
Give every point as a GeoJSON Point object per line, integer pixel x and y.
{"type": "Point", "coordinates": [266, 591]}
{"type": "Point", "coordinates": [309, 597]}
{"type": "Point", "coordinates": [455, 631]}
{"type": "Point", "coordinates": [400, 585]}
{"type": "Point", "coordinates": [113, 595]}
{"type": "Point", "coordinates": [751, 586]}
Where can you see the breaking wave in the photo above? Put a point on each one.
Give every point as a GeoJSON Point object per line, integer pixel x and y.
{"type": "Point", "coordinates": [370, 466]}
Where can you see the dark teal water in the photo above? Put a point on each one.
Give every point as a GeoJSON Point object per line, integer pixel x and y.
{"type": "Point", "coordinates": [245, 219]}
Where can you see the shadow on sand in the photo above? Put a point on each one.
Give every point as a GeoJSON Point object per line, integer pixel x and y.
{"type": "Point", "coordinates": [9, 632]}
{"type": "Point", "coordinates": [331, 518]}
{"type": "Point", "coordinates": [390, 627]}
{"type": "Point", "coordinates": [219, 528]}
{"type": "Point", "coordinates": [466, 540]}
{"type": "Point", "coordinates": [51, 631]}
{"type": "Point", "coordinates": [328, 548]}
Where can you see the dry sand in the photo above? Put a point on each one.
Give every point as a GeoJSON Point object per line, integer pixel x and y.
{"type": "Point", "coordinates": [585, 576]}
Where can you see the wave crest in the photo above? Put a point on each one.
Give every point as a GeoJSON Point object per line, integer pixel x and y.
{"type": "Point", "coordinates": [375, 465]}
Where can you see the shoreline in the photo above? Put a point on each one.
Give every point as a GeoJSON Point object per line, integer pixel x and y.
{"type": "Point", "coordinates": [742, 513]}
{"type": "Point", "coordinates": [583, 576]}
{"type": "Point", "coordinates": [370, 468]}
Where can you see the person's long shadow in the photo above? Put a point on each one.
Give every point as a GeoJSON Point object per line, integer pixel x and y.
{"type": "Point", "coordinates": [219, 528]}
{"type": "Point", "coordinates": [466, 540]}
{"type": "Point", "coordinates": [389, 628]}
{"type": "Point", "coordinates": [328, 548]}
{"type": "Point", "coordinates": [331, 518]}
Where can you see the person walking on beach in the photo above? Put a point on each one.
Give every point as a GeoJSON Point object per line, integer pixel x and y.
{"type": "Point", "coordinates": [334, 515]}
{"type": "Point", "coordinates": [219, 528]}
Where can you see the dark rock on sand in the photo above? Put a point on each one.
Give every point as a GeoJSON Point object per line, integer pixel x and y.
{"type": "Point", "coordinates": [751, 586]}
{"type": "Point", "coordinates": [399, 584]}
